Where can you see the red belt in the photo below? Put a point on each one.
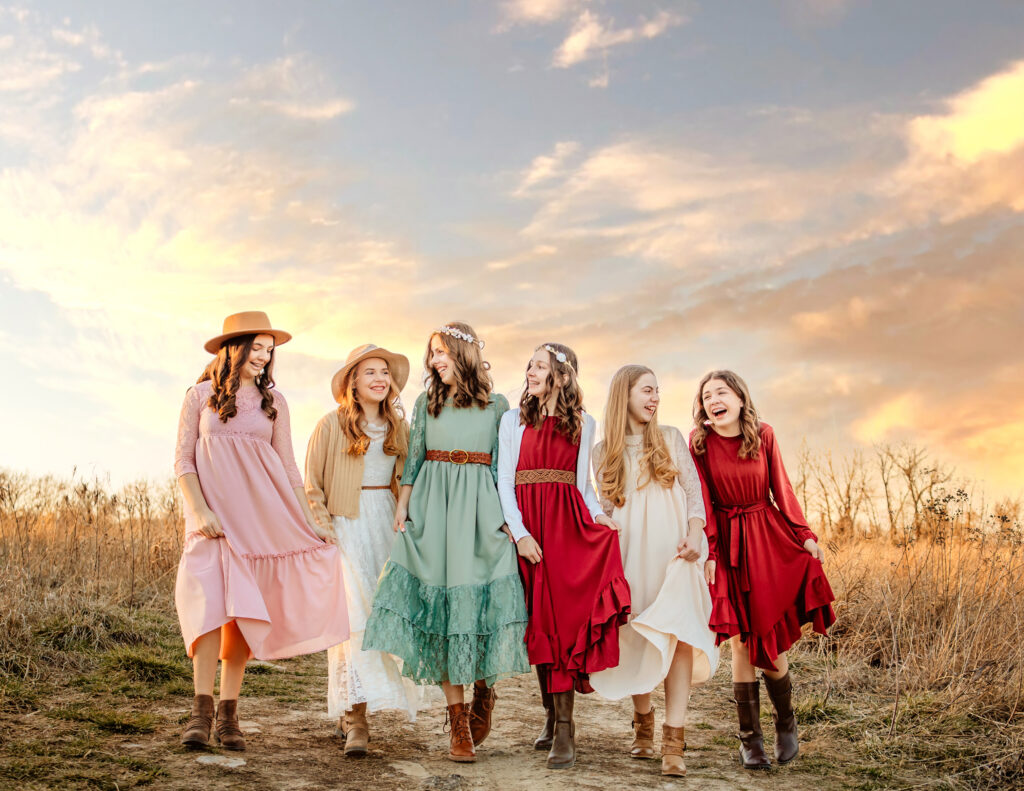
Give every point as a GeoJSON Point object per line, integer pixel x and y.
{"type": "Point", "coordinates": [459, 456]}
{"type": "Point", "coordinates": [732, 536]}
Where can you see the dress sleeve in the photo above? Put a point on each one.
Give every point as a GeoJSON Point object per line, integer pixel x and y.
{"type": "Point", "coordinates": [782, 489]}
{"type": "Point", "coordinates": [188, 433]}
{"type": "Point", "coordinates": [500, 407]}
{"type": "Point", "coordinates": [688, 478]}
{"type": "Point", "coordinates": [281, 439]}
{"type": "Point", "coordinates": [711, 525]}
{"type": "Point", "coordinates": [507, 475]}
{"type": "Point", "coordinates": [597, 460]}
{"type": "Point", "coordinates": [316, 461]}
{"type": "Point", "coordinates": [589, 495]}
{"type": "Point", "coordinates": [417, 442]}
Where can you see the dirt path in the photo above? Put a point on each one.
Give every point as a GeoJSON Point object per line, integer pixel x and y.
{"type": "Point", "coordinates": [291, 746]}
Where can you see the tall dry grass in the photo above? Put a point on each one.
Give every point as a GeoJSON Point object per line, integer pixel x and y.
{"type": "Point", "coordinates": [923, 673]}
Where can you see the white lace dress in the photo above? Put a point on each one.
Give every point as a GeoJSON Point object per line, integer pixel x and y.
{"type": "Point", "coordinates": [357, 676]}
{"type": "Point", "coordinates": [671, 601]}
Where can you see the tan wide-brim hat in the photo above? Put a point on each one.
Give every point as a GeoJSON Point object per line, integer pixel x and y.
{"type": "Point", "coordinates": [249, 322]}
{"type": "Point", "coordinates": [398, 365]}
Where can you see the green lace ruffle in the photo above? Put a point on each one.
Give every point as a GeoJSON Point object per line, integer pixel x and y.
{"type": "Point", "coordinates": [457, 634]}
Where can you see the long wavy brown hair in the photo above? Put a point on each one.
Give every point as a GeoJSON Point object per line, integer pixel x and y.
{"type": "Point", "coordinates": [473, 383]}
{"type": "Point", "coordinates": [655, 462]}
{"type": "Point", "coordinates": [223, 370]}
{"type": "Point", "coordinates": [351, 419]}
{"type": "Point", "coordinates": [569, 406]}
{"type": "Point", "coordinates": [750, 421]}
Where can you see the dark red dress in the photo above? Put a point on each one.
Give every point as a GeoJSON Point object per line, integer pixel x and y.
{"type": "Point", "coordinates": [577, 596]}
{"type": "Point", "coordinates": [766, 583]}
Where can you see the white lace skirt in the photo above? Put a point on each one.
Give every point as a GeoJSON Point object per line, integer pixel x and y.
{"type": "Point", "coordinates": [353, 675]}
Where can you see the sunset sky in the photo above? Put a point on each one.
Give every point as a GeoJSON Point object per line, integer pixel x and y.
{"type": "Point", "coordinates": [825, 195]}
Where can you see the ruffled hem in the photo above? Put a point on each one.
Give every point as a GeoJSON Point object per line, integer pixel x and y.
{"type": "Point", "coordinates": [459, 634]}
{"type": "Point", "coordinates": [595, 648]}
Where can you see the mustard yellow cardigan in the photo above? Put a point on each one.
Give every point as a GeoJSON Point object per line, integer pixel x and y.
{"type": "Point", "coordinates": [334, 478]}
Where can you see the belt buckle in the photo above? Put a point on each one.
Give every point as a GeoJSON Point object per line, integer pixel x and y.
{"type": "Point", "coordinates": [453, 460]}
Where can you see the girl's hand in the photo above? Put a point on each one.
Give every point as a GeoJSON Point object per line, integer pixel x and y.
{"type": "Point", "coordinates": [209, 525]}
{"type": "Point", "coordinates": [689, 549]}
{"type": "Point", "coordinates": [529, 549]}
{"type": "Point", "coordinates": [401, 512]}
{"type": "Point", "coordinates": [322, 532]}
{"type": "Point", "coordinates": [709, 572]}
{"type": "Point", "coordinates": [814, 550]}
{"type": "Point", "coordinates": [608, 522]}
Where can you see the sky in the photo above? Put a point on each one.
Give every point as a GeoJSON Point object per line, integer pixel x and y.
{"type": "Point", "coordinates": [826, 196]}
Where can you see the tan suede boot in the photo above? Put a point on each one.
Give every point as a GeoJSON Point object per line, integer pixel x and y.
{"type": "Point", "coordinates": [643, 735]}
{"type": "Point", "coordinates": [356, 731]}
{"type": "Point", "coordinates": [673, 744]}
{"type": "Point", "coordinates": [228, 733]}
{"type": "Point", "coordinates": [196, 735]}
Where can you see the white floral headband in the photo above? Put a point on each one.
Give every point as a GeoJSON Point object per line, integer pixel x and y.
{"type": "Point", "coordinates": [455, 332]}
{"type": "Point", "coordinates": [560, 356]}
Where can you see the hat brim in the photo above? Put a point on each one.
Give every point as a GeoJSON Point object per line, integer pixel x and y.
{"type": "Point", "coordinates": [213, 345]}
{"type": "Point", "coordinates": [398, 365]}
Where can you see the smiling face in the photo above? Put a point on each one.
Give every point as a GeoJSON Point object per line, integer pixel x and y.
{"type": "Point", "coordinates": [722, 406]}
{"type": "Point", "coordinates": [440, 360]}
{"type": "Point", "coordinates": [372, 382]}
{"type": "Point", "coordinates": [644, 399]}
{"type": "Point", "coordinates": [260, 355]}
{"type": "Point", "coordinates": [538, 372]}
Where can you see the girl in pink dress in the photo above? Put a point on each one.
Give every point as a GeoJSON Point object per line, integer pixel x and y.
{"type": "Point", "coordinates": [258, 575]}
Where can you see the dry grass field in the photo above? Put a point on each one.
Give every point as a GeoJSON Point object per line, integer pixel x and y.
{"type": "Point", "coordinates": [920, 684]}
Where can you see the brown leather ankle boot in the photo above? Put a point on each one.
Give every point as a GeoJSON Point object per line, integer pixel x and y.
{"type": "Point", "coordinates": [563, 742]}
{"type": "Point", "coordinates": [748, 709]}
{"type": "Point", "coordinates": [228, 733]}
{"type": "Point", "coordinates": [480, 712]}
{"type": "Point", "coordinates": [457, 721]}
{"type": "Point", "coordinates": [543, 741]}
{"type": "Point", "coordinates": [673, 743]}
{"type": "Point", "coordinates": [787, 744]}
{"type": "Point", "coordinates": [643, 735]}
{"type": "Point", "coordinates": [356, 731]}
{"type": "Point", "coordinates": [196, 735]}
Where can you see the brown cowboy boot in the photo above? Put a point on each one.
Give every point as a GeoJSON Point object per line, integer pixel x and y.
{"type": "Point", "coordinates": [673, 744]}
{"type": "Point", "coordinates": [787, 744]}
{"type": "Point", "coordinates": [480, 712]}
{"type": "Point", "coordinates": [457, 720]}
{"type": "Point", "coordinates": [563, 742]}
{"type": "Point", "coordinates": [748, 709]}
{"type": "Point", "coordinates": [543, 742]}
{"type": "Point", "coordinates": [196, 735]}
{"type": "Point", "coordinates": [643, 735]}
{"type": "Point", "coordinates": [355, 731]}
{"type": "Point", "coordinates": [228, 733]}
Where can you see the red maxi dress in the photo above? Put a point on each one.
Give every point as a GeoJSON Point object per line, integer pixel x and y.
{"type": "Point", "coordinates": [766, 584]}
{"type": "Point", "coordinates": [577, 597]}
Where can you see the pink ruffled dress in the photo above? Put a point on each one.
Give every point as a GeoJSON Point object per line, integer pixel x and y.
{"type": "Point", "coordinates": [270, 573]}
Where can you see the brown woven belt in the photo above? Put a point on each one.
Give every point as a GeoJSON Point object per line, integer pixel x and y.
{"type": "Point", "coordinates": [378, 487]}
{"type": "Point", "coordinates": [459, 456]}
{"type": "Point", "coordinates": [545, 476]}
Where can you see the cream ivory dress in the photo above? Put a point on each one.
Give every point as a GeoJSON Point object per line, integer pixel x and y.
{"type": "Point", "coordinates": [357, 676]}
{"type": "Point", "coordinates": [671, 600]}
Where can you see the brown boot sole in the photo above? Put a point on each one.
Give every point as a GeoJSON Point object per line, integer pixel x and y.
{"type": "Point", "coordinates": [355, 752]}
{"type": "Point", "coordinates": [566, 765]}
{"type": "Point", "coordinates": [195, 744]}
{"type": "Point", "coordinates": [233, 747]}
{"type": "Point", "coordinates": [643, 756]}
{"type": "Point", "coordinates": [542, 744]}
{"type": "Point", "coordinates": [756, 767]}
{"type": "Point", "coordinates": [462, 759]}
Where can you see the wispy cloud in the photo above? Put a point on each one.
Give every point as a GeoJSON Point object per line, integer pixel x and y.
{"type": "Point", "coordinates": [592, 36]}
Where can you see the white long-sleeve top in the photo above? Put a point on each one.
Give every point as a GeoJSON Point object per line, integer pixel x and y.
{"type": "Point", "coordinates": [510, 439]}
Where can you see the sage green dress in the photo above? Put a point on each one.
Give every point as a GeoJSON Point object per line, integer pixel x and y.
{"type": "Point", "coordinates": [449, 602]}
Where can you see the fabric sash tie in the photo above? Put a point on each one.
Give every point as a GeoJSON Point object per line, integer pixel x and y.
{"type": "Point", "coordinates": [731, 535]}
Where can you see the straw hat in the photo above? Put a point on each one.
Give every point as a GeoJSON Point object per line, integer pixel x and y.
{"type": "Point", "coordinates": [398, 365]}
{"type": "Point", "coordinates": [249, 322]}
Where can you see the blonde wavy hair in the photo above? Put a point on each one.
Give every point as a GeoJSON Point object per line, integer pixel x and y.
{"type": "Point", "coordinates": [473, 383]}
{"type": "Point", "coordinates": [569, 407]}
{"type": "Point", "coordinates": [750, 421]}
{"type": "Point", "coordinates": [655, 458]}
{"type": "Point", "coordinates": [350, 417]}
